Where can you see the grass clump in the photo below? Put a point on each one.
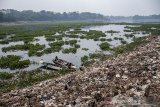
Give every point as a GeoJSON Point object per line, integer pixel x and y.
{"type": "Point", "coordinates": [102, 39]}
{"type": "Point", "coordinates": [109, 40]}
{"type": "Point", "coordinates": [84, 58]}
{"type": "Point", "coordinates": [123, 42]}
{"type": "Point", "coordinates": [127, 30]}
{"type": "Point", "coordinates": [85, 49]}
{"type": "Point", "coordinates": [105, 46]}
{"type": "Point", "coordinates": [70, 50]}
{"type": "Point", "coordinates": [6, 75]}
{"type": "Point", "coordinates": [13, 62]}
{"type": "Point", "coordinates": [112, 31]}
{"type": "Point", "coordinates": [71, 42]}
{"type": "Point", "coordinates": [50, 38]}
{"type": "Point", "coordinates": [77, 46]}
{"type": "Point", "coordinates": [33, 49]}
{"type": "Point", "coordinates": [129, 35]}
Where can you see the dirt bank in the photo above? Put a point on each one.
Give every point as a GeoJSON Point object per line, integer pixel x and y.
{"type": "Point", "coordinates": [130, 78]}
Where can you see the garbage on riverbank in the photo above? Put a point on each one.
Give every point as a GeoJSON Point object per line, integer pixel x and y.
{"type": "Point", "coordinates": [131, 78]}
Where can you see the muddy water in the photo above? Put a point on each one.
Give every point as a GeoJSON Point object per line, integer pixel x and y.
{"type": "Point", "coordinates": [73, 58]}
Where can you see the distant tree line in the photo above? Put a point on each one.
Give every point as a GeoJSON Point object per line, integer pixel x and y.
{"type": "Point", "coordinates": [151, 18]}
{"type": "Point", "coordinates": [136, 18]}
{"type": "Point", "coordinates": [10, 15]}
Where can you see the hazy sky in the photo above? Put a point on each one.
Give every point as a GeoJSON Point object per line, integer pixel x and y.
{"type": "Point", "coordinates": [106, 7]}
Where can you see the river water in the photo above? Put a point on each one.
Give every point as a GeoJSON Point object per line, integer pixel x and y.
{"type": "Point", "coordinates": [92, 45]}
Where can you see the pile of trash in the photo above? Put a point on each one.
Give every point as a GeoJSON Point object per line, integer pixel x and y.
{"type": "Point", "coordinates": [131, 78]}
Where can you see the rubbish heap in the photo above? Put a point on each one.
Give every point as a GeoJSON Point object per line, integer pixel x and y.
{"type": "Point", "coordinates": [132, 78]}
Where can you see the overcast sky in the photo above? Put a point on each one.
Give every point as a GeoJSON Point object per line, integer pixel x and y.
{"type": "Point", "coordinates": [105, 7]}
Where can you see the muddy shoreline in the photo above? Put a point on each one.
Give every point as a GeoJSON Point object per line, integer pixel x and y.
{"type": "Point", "coordinates": [127, 79]}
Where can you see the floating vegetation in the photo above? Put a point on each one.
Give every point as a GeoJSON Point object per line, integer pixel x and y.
{"type": "Point", "coordinates": [33, 49]}
{"type": "Point", "coordinates": [102, 39]}
{"type": "Point", "coordinates": [129, 35]}
{"type": "Point", "coordinates": [84, 58]}
{"type": "Point", "coordinates": [116, 38]}
{"type": "Point", "coordinates": [50, 38]}
{"type": "Point", "coordinates": [109, 40]}
{"type": "Point", "coordinates": [77, 46]}
{"type": "Point", "coordinates": [123, 42]}
{"type": "Point", "coordinates": [72, 36]}
{"type": "Point", "coordinates": [71, 42]}
{"type": "Point", "coordinates": [105, 46]}
{"type": "Point", "coordinates": [94, 55]}
{"type": "Point", "coordinates": [130, 46]}
{"type": "Point", "coordinates": [4, 42]}
{"type": "Point", "coordinates": [127, 30]}
{"type": "Point", "coordinates": [112, 31]}
{"type": "Point", "coordinates": [85, 49]}
{"type": "Point", "coordinates": [69, 50]}
{"type": "Point", "coordinates": [13, 62]}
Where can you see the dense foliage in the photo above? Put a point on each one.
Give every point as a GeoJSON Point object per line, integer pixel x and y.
{"type": "Point", "coordinates": [29, 15]}
{"type": "Point", "coordinates": [13, 62]}
{"type": "Point", "coordinates": [105, 46]}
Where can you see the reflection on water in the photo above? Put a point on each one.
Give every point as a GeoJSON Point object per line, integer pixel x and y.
{"type": "Point", "coordinates": [74, 58]}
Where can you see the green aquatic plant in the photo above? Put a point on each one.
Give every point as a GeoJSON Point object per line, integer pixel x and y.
{"type": "Point", "coordinates": [6, 75]}
{"type": "Point", "coordinates": [112, 31]}
{"type": "Point", "coordinates": [84, 58]}
{"type": "Point", "coordinates": [13, 62]}
{"type": "Point", "coordinates": [69, 50]}
{"type": "Point", "coordinates": [77, 46]}
{"type": "Point", "coordinates": [130, 46]}
{"type": "Point", "coordinates": [85, 49]}
{"type": "Point", "coordinates": [102, 39]}
{"type": "Point", "coordinates": [105, 46]}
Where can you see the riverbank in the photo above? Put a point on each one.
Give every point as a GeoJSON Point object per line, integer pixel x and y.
{"type": "Point", "coordinates": [129, 78]}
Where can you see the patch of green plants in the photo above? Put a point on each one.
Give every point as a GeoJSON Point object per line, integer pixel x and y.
{"type": "Point", "coordinates": [71, 42]}
{"type": "Point", "coordinates": [72, 35]}
{"type": "Point", "coordinates": [84, 58]}
{"type": "Point", "coordinates": [93, 34]}
{"type": "Point", "coordinates": [50, 38]}
{"type": "Point", "coordinates": [69, 50]}
{"type": "Point", "coordinates": [104, 46]}
{"type": "Point", "coordinates": [112, 31]}
{"type": "Point", "coordinates": [123, 42]}
{"type": "Point", "coordinates": [4, 42]}
{"type": "Point", "coordinates": [6, 75]}
{"type": "Point", "coordinates": [13, 62]}
{"type": "Point", "coordinates": [115, 38]}
{"type": "Point", "coordinates": [130, 46]}
{"type": "Point", "coordinates": [129, 35]}
{"type": "Point", "coordinates": [109, 40]}
{"type": "Point", "coordinates": [57, 43]}
{"type": "Point", "coordinates": [147, 28]}
{"type": "Point", "coordinates": [127, 30]}
{"type": "Point", "coordinates": [102, 39]}
{"type": "Point", "coordinates": [32, 49]}
{"type": "Point", "coordinates": [85, 49]}
{"type": "Point", "coordinates": [24, 78]}
{"type": "Point", "coordinates": [77, 46]}
{"type": "Point", "coordinates": [94, 55]}
{"type": "Point", "coordinates": [88, 60]}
